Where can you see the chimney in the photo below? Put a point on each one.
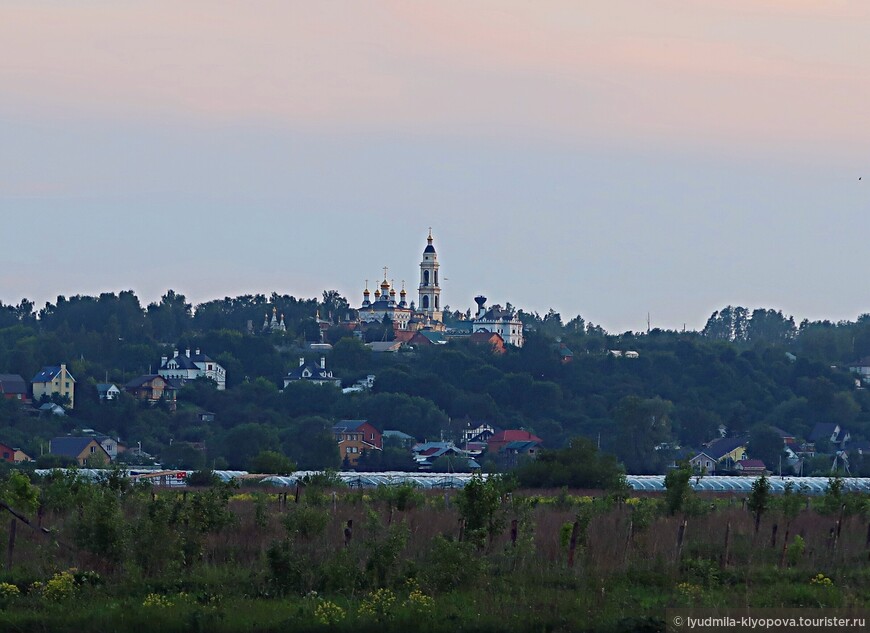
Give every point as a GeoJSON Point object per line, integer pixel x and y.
{"type": "Point", "coordinates": [301, 361]}
{"type": "Point", "coordinates": [175, 353]}
{"type": "Point", "coordinates": [323, 362]}
{"type": "Point", "coordinates": [187, 352]}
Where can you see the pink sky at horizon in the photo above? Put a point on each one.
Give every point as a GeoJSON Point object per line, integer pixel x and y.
{"type": "Point", "coordinates": [708, 71]}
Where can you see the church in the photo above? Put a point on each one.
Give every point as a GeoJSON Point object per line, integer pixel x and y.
{"type": "Point", "coordinates": [425, 314]}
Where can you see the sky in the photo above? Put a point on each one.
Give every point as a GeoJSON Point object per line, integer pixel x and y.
{"type": "Point", "coordinates": [609, 159]}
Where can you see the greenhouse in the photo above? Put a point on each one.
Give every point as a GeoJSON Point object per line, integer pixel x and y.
{"type": "Point", "coordinates": [707, 483]}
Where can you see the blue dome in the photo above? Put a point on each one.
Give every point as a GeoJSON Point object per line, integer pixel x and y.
{"type": "Point", "coordinates": [429, 249]}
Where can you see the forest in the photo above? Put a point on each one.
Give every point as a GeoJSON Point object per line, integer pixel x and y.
{"type": "Point", "coordinates": [745, 372]}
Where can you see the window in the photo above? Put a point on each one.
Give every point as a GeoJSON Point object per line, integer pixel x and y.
{"type": "Point", "coordinates": [93, 449]}
{"type": "Point", "coordinates": [436, 278]}
{"type": "Point", "coordinates": [425, 277]}
{"type": "Point", "coordinates": [425, 302]}
{"type": "Point", "coordinates": [436, 302]}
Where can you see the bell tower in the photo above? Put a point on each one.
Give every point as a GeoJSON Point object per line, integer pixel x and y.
{"type": "Point", "coordinates": [429, 291]}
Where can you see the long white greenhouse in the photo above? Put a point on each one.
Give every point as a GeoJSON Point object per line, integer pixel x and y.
{"type": "Point", "coordinates": [426, 480]}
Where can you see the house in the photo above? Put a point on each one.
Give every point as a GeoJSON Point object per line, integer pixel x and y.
{"type": "Point", "coordinates": [7, 453]}
{"type": "Point", "coordinates": [425, 453]}
{"type": "Point", "coordinates": [424, 338]}
{"type": "Point", "coordinates": [498, 320]}
{"type": "Point", "coordinates": [492, 340]}
{"type": "Point", "coordinates": [52, 408]}
{"type": "Point", "coordinates": [720, 454]}
{"type": "Point", "coordinates": [206, 416]}
{"type": "Point", "coordinates": [355, 437]}
{"type": "Point", "coordinates": [184, 367]}
{"type": "Point", "coordinates": [388, 347]}
{"type": "Point", "coordinates": [108, 391]}
{"type": "Point", "coordinates": [13, 387]}
{"type": "Point", "coordinates": [153, 388]}
{"type": "Point", "coordinates": [565, 354]}
{"type": "Point", "coordinates": [501, 439]}
{"type": "Point", "coordinates": [398, 438]}
{"type": "Point", "coordinates": [361, 385]}
{"type": "Point", "coordinates": [109, 444]}
{"type": "Point", "coordinates": [831, 432]}
{"type": "Point", "coordinates": [316, 374]}
{"type": "Point", "coordinates": [85, 450]}
{"type": "Point", "coordinates": [751, 467]}
{"type": "Point", "coordinates": [54, 380]}
{"type": "Point", "coordinates": [21, 457]}
{"type": "Point", "coordinates": [616, 353]}
{"type": "Point", "coordinates": [703, 463]}
{"type": "Point", "coordinates": [478, 432]}
{"type": "Point", "coordinates": [862, 368]}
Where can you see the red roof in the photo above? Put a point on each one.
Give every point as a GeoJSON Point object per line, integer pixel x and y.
{"type": "Point", "coordinates": [514, 435]}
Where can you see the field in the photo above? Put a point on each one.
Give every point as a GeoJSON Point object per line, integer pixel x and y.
{"type": "Point", "coordinates": [122, 558]}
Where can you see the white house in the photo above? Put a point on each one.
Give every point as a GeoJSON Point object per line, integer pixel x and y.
{"type": "Point", "coordinates": [497, 320]}
{"type": "Point", "coordinates": [184, 367]}
{"type": "Point", "coordinates": [108, 391]}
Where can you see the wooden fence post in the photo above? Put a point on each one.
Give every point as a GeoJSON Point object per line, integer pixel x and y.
{"type": "Point", "coordinates": [12, 527]}
{"type": "Point", "coordinates": [681, 534]}
{"type": "Point", "coordinates": [513, 533]}
{"type": "Point", "coordinates": [724, 563]}
{"type": "Point", "coordinates": [296, 499]}
{"type": "Point", "coordinates": [784, 548]}
{"type": "Point", "coordinates": [628, 540]}
{"type": "Point", "coordinates": [348, 533]}
{"type": "Point", "coordinates": [773, 535]}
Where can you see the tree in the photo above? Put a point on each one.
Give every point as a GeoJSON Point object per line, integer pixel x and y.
{"type": "Point", "coordinates": [678, 488]}
{"type": "Point", "coordinates": [335, 307]}
{"type": "Point", "coordinates": [643, 427]}
{"type": "Point", "coordinates": [759, 499]}
{"type": "Point", "coordinates": [350, 354]}
{"type": "Point", "coordinates": [580, 465]}
{"type": "Point", "coordinates": [480, 507]}
{"type": "Point", "coordinates": [766, 444]}
{"type": "Point", "coordinates": [273, 463]}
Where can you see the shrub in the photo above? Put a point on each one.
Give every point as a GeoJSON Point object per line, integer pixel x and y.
{"type": "Point", "coordinates": [9, 593]}
{"type": "Point", "coordinates": [328, 613]}
{"type": "Point", "coordinates": [306, 522]}
{"type": "Point", "coordinates": [378, 605]}
{"type": "Point", "coordinates": [59, 588]}
{"type": "Point", "coordinates": [450, 565]}
{"type": "Point", "coordinates": [155, 600]}
{"type": "Point", "coordinates": [795, 550]}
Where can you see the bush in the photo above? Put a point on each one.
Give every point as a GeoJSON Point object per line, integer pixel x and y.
{"type": "Point", "coordinates": [450, 565]}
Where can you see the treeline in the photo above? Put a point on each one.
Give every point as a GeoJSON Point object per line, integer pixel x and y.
{"type": "Point", "coordinates": [744, 370]}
